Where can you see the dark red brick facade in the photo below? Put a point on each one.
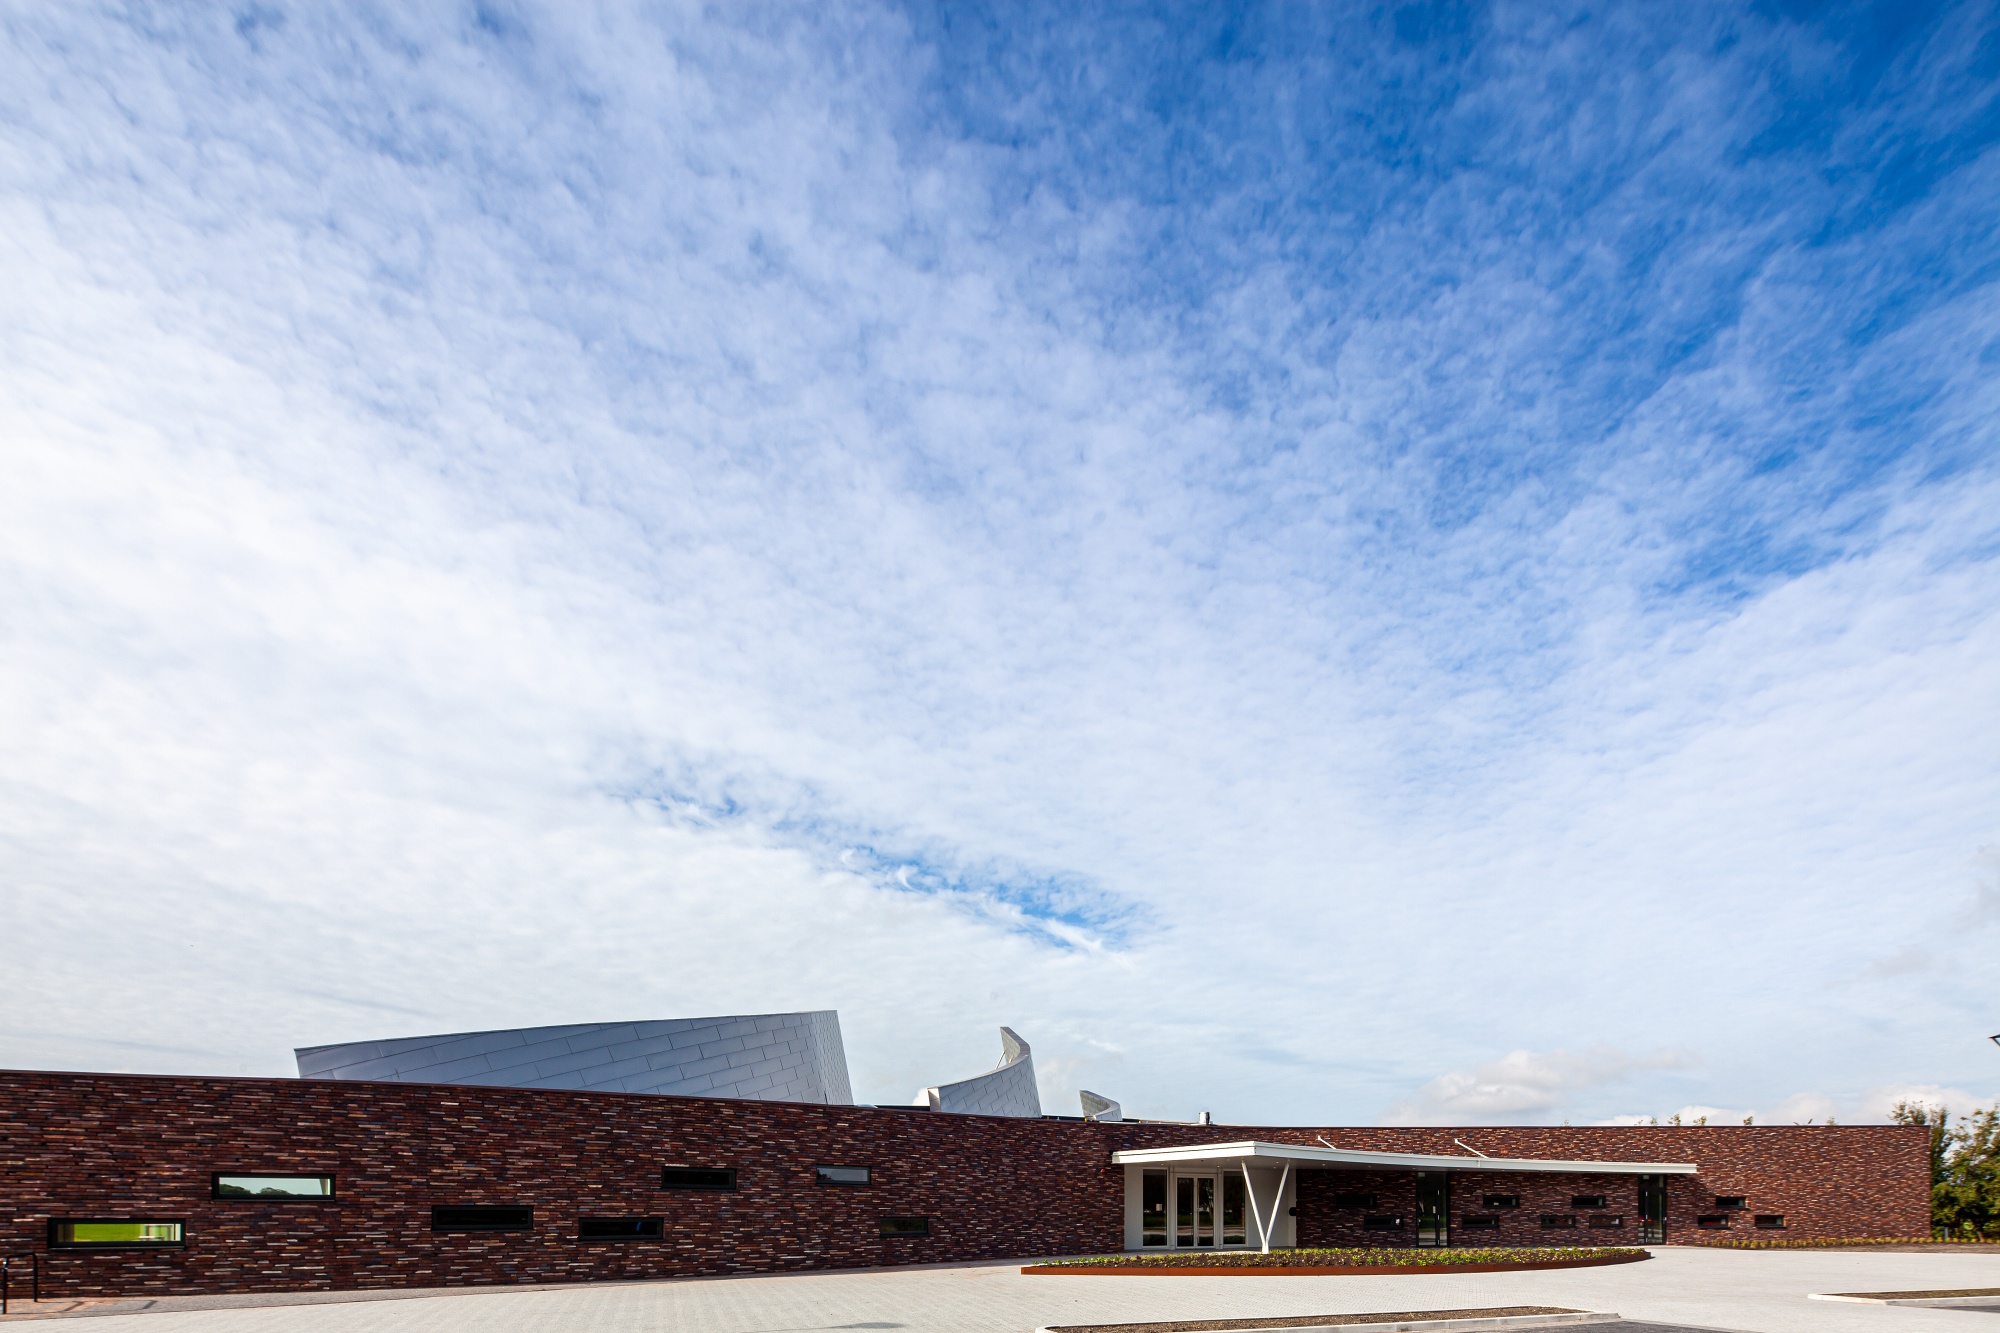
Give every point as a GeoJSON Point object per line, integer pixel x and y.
{"type": "Point", "coordinates": [109, 1146]}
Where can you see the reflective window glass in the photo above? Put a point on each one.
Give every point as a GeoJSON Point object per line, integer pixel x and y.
{"type": "Point", "coordinates": [1153, 1209]}
{"type": "Point", "coordinates": [65, 1234]}
{"type": "Point", "coordinates": [483, 1217]}
{"type": "Point", "coordinates": [698, 1178]}
{"type": "Point", "coordinates": [273, 1187]}
{"type": "Point", "coordinates": [1234, 1231]}
{"type": "Point", "coordinates": [841, 1175]}
{"type": "Point", "coordinates": [620, 1228]}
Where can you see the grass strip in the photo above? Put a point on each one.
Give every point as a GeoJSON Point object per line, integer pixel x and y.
{"type": "Point", "coordinates": [1919, 1295]}
{"type": "Point", "coordinates": [1309, 1320]}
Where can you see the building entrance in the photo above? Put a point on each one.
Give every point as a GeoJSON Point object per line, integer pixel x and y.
{"type": "Point", "coordinates": [1652, 1210]}
{"type": "Point", "coordinates": [1194, 1210]}
{"type": "Point", "coordinates": [1208, 1210]}
{"type": "Point", "coordinates": [1433, 1210]}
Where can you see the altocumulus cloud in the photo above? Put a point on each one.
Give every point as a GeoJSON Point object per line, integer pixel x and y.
{"type": "Point", "coordinates": [1276, 554]}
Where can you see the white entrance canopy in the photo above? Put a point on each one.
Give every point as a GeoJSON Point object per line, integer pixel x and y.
{"type": "Point", "coordinates": [1286, 1156]}
{"type": "Point", "coordinates": [1253, 1153]}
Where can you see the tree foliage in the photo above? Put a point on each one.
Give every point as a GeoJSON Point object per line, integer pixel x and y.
{"type": "Point", "coordinates": [1965, 1167]}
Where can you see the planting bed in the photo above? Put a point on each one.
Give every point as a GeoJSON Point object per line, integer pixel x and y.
{"type": "Point", "coordinates": [1333, 1262]}
{"type": "Point", "coordinates": [1890, 1244]}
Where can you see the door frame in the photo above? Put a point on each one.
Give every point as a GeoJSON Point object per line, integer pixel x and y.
{"type": "Point", "coordinates": [1652, 1228]}
{"type": "Point", "coordinates": [1191, 1182]}
{"type": "Point", "coordinates": [1438, 1236]}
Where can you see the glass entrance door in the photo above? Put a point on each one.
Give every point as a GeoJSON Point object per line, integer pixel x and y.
{"type": "Point", "coordinates": [1234, 1232]}
{"type": "Point", "coordinates": [1652, 1210]}
{"type": "Point", "coordinates": [1433, 1210]}
{"type": "Point", "coordinates": [1210, 1210]}
{"type": "Point", "coordinates": [1194, 1211]}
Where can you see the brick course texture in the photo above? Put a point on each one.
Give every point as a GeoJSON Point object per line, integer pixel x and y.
{"type": "Point", "coordinates": [111, 1146]}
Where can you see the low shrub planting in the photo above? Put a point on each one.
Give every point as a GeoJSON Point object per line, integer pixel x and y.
{"type": "Point", "coordinates": [1349, 1258]}
{"type": "Point", "coordinates": [1840, 1242]}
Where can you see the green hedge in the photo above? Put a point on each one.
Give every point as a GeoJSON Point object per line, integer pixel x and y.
{"type": "Point", "coordinates": [1351, 1258]}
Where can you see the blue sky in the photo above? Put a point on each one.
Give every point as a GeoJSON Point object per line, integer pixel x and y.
{"type": "Point", "coordinates": [1434, 563]}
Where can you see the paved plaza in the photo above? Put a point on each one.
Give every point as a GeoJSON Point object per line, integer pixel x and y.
{"type": "Point", "coordinates": [1751, 1291]}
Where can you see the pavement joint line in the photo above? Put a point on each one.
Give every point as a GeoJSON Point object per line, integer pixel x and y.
{"type": "Point", "coordinates": [1410, 1325]}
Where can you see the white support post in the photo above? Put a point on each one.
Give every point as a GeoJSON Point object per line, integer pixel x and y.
{"type": "Point", "coordinates": [1277, 1203]}
{"type": "Point", "coordinates": [1264, 1228]}
{"type": "Point", "coordinates": [1250, 1188]}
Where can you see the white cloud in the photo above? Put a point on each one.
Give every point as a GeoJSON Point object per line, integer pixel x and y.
{"type": "Point", "coordinates": [1985, 910]}
{"type": "Point", "coordinates": [1876, 1104]}
{"type": "Point", "coordinates": [1714, 1115]}
{"type": "Point", "coordinates": [1522, 1085]}
{"type": "Point", "coordinates": [1911, 960]}
{"type": "Point", "coordinates": [1694, 1113]}
{"type": "Point", "coordinates": [1803, 1108]}
{"type": "Point", "coordinates": [635, 514]}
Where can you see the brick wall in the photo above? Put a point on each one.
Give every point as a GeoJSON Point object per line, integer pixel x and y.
{"type": "Point", "coordinates": [1825, 1180]}
{"type": "Point", "coordinates": [103, 1145]}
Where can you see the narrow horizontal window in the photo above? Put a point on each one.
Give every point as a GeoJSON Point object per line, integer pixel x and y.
{"type": "Point", "coordinates": [1586, 1201]}
{"type": "Point", "coordinates": [1607, 1220]}
{"type": "Point", "coordinates": [1713, 1221]}
{"type": "Point", "coordinates": [906, 1226]}
{"type": "Point", "coordinates": [1354, 1201]}
{"type": "Point", "coordinates": [620, 1228]}
{"type": "Point", "coordinates": [1771, 1221]}
{"type": "Point", "coordinates": [698, 1178]}
{"type": "Point", "coordinates": [106, 1233]}
{"type": "Point", "coordinates": [1725, 1203]}
{"type": "Point", "coordinates": [1553, 1221]}
{"type": "Point", "coordinates": [272, 1188]}
{"type": "Point", "coordinates": [1503, 1201]}
{"type": "Point", "coordinates": [482, 1218]}
{"type": "Point", "coordinates": [1479, 1222]}
{"type": "Point", "coordinates": [841, 1175]}
{"type": "Point", "coordinates": [1381, 1224]}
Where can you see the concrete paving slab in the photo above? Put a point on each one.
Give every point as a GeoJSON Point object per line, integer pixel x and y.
{"type": "Point", "coordinates": [1755, 1291]}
